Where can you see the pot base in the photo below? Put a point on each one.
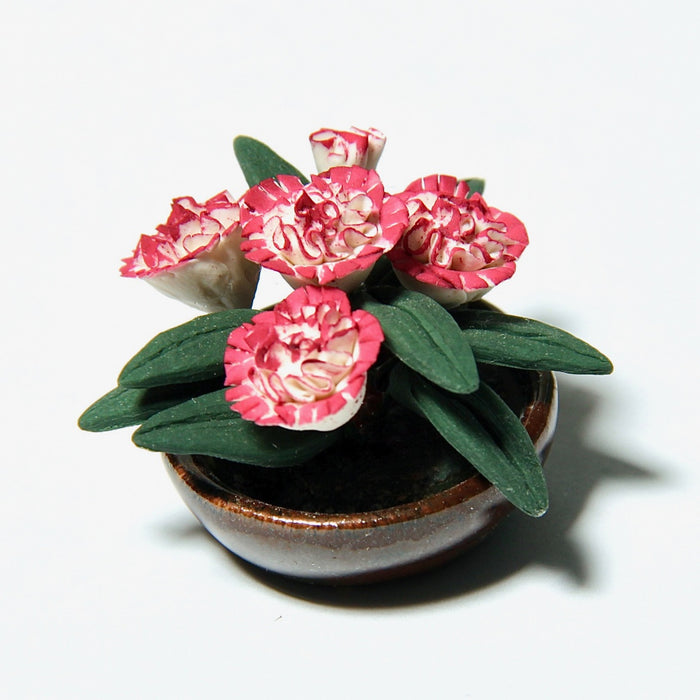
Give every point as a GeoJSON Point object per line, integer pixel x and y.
{"type": "Point", "coordinates": [366, 510]}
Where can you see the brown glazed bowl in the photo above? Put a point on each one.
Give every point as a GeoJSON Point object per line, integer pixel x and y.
{"type": "Point", "coordinates": [420, 530]}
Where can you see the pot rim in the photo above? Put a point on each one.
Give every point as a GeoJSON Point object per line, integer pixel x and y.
{"type": "Point", "coordinates": [538, 418]}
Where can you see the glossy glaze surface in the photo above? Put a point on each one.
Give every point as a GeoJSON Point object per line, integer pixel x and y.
{"type": "Point", "coordinates": [366, 546]}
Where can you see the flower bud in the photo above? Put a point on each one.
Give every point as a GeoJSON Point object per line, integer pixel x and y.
{"type": "Point", "coordinates": [333, 148]}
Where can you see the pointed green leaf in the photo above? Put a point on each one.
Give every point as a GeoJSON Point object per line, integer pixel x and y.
{"type": "Point", "coordinates": [484, 431]}
{"type": "Point", "coordinates": [123, 406]}
{"type": "Point", "coordinates": [476, 184]}
{"type": "Point", "coordinates": [425, 337]}
{"type": "Point", "coordinates": [511, 341]}
{"type": "Point", "coordinates": [259, 162]}
{"type": "Point", "coordinates": [509, 434]}
{"type": "Point", "coordinates": [191, 352]}
{"type": "Point", "coordinates": [206, 425]}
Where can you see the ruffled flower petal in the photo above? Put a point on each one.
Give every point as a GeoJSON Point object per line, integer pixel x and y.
{"type": "Point", "coordinates": [303, 365]}
{"type": "Point", "coordinates": [195, 256]}
{"type": "Point", "coordinates": [455, 247]}
{"type": "Point", "coordinates": [332, 148]}
{"type": "Point", "coordinates": [329, 232]}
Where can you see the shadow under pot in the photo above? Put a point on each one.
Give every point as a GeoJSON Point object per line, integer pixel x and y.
{"type": "Point", "coordinates": [389, 503]}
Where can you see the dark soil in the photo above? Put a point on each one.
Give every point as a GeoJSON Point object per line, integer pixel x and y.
{"type": "Point", "coordinates": [390, 458]}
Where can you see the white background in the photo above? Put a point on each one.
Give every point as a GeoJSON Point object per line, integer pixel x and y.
{"type": "Point", "coordinates": [582, 116]}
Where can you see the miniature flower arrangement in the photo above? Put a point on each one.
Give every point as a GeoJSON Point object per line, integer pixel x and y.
{"type": "Point", "coordinates": [384, 312]}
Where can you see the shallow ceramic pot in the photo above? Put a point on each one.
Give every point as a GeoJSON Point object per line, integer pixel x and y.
{"type": "Point", "coordinates": [367, 546]}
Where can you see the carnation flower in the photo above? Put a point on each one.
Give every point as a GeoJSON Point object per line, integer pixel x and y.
{"type": "Point", "coordinates": [329, 232]}
{"type": "Point", "coordinates": [195, 256]}
{"type": "Point", "coordinates": [455, 248]}
{"type": "Point", "coordinates": [303, 365]}
{"type": "Point", "coordinates": [361, 147]}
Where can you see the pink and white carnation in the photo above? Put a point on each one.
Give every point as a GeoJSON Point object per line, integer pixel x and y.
{"type": "Point", "coordinates": [455, 248]}
{"type": "Point", "coordinates": [329, 232]}
{"type": "Point", "coordinates": [303, 365]}
{"type": "Point", "coordinates": [333, 148]}
{"type": "Point", "coordinates": [195, 256]}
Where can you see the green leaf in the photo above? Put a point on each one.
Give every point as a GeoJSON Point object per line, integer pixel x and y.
{"type": "Point", "coordinates": [526, 481]}
{"type": "Point", "coordinates": [206, 425]}
{"type": "Point", "coordinates": [123, 406]}
{"type": "Point", "coordinates": [511, 341]}
{"type": "Point", "coordinates": [425, 337]}
{"type": "Point", "coordinates": [259, 162]}
{"type": "Point", "coordinates": [191, 352]}
{"type": "Point", "coordinates": [484, 431]}
{"type": "Point", "coordinates": [476, 184]}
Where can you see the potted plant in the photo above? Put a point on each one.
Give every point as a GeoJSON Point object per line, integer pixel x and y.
{"type": "Point", "coordinates": [381, 417]}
